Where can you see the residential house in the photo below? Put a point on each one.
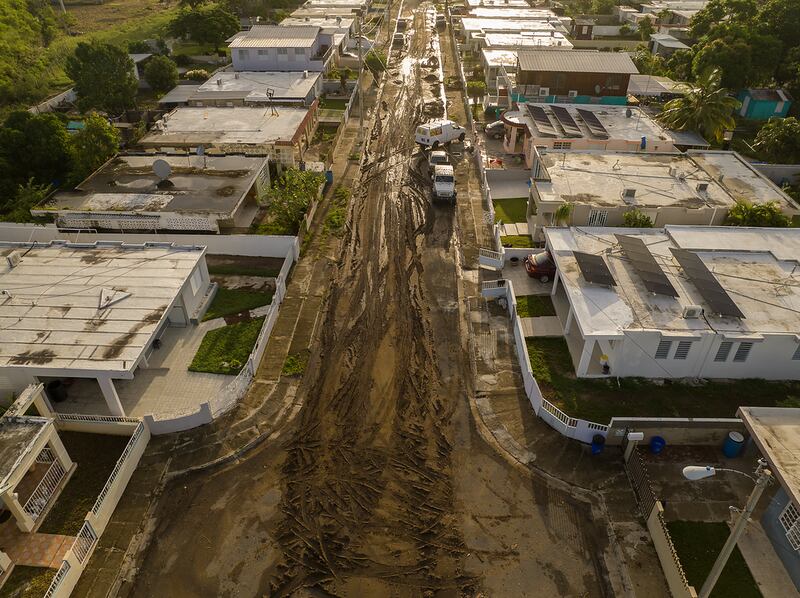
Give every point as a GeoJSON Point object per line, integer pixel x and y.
{"type": "Point", "coordinates": [696, 187]}
{"type": "Point", "coordinates": [678, 302]}
{"type": "Point", "coordinates": [578, 75]}
{"type": "Point", "coordinates": [582, 28]}
{"type": "Point", "coordinates": [762, 104]}
{"type": "Point", "coordinates": [665, 45]}
{"type": "Point", "coordinates": [139, 63]}
{"type": "Point", "coordinates": [130, 193]}
{"type": "Point", "coordinates": [275, 48]}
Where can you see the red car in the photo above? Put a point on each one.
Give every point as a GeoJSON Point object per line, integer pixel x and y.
{"type": "Point", "coordinates": [540, 265]}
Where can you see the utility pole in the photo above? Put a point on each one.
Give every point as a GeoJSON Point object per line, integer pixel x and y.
{"type": "Point", "coordinates": [358, 83]}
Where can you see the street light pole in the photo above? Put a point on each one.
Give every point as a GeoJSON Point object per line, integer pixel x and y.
{"type": "Point", "coordinates": [358, 82]}
{"type": "Point", "coordinates": [763, 479]}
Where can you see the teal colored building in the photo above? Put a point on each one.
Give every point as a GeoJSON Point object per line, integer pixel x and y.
{"type": "Point", "coordinates": [763, 104]}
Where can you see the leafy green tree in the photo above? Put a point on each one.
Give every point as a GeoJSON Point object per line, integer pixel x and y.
{"type": "Point", "coordinates": [93, 145]}
{"type": "Point", "coordinates": [288, 199]}
{"type": "Point", "coordinates": [731, 60]}
{"type": "Point", "coordinates": [781, 18]}
{"type": "Point", "coordinates": [26, 197]}
{"type": "Point", "coordinates": [161, 74]}
{"type": "Point", "coordinates": [679, 65]}
{"type": "Point", "coordinates": [208, 24]}
{"type": "Point", "coordinates": [476, 90]}
{"type": "Point", "coordinates": [636, 219]}
{"type": "Point", "coordinates": [375, 60]}
{"type": "Point", "coordinates": [646, 28]}
{"type": "Point", "coordinates": [647, 62]}
{"type": "Point", "coordinates": [625, 30]}
{"type": "Point", "coordinates": [344, 75]}
{"type": "Point", "coordinates": [717, 11]}
{"type": "Point", "coordinates": [563, 214]}
{"type": "Point", "coordinates": [103, 76]}
{"type": "Point", "coordinates": [603, 7]}
{"type": "Point", "coordinates": [779, 140]}
{"type": "Point", "coordinates": [22, 67]}
{"type": "Point", "coordinates": [746, 213]}
{"type": "Point", "coordinates": [707, 108]}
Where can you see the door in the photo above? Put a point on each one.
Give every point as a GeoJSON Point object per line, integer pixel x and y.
{"type": "Point", "coordinates": [177, 317]}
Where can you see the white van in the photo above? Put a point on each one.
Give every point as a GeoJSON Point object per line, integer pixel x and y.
{"type": "Point", "coordinates": [438, 132]}
{"type": "Point", "coordinates": [444, 182]}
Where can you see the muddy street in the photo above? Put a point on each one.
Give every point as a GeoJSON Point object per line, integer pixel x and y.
{"type": "Point", "coordinates": [382, 485]}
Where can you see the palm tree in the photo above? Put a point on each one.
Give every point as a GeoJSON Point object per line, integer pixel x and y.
{"type": "Point", "coordinates": [707, 108]}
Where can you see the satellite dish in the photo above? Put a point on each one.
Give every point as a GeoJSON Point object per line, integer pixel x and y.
{"type": "Point", "coordinates": [162, 169]}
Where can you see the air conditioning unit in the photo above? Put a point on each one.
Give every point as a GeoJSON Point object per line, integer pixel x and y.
{"type": "Point", "coordinates": [628, 193]}
{"type": "Point", "coordinates": [13, 259]}
{"type": "Point", "coordinates": [544, 91]}
{"type": "Point", "coordinates": [573, 93]}
{"type": "Point", "coordinates": [702, 187]}
{"type": "Point", "coordinates": [692, 312]}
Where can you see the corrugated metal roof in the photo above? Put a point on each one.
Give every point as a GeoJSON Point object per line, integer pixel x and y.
{"type": "Point", "coordinates": [274, 36]}
{"type": "Point", "coordinates": [576, 61]}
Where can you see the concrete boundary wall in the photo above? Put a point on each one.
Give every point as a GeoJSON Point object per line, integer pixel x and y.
{"type": "Point", "coordinates": [667, 555]}
{"type": "Point", "coordinates": [244, 245]}
{"type": "Point", "coordinates": [696, 431]}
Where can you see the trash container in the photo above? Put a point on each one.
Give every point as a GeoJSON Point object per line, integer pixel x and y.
{"type": "Point", "coordinates": [657, 444]}
{"type": "Point", "coordinates": [733, 445]}
{"type": "Point", "coordinates": [598, 442]}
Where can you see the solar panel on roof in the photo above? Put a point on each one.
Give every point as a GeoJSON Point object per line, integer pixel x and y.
{"type": "Point", "coordinates": [571, 128]}
{"type": "Point", "coordinates": [706, 283]}
{"type": "Point", "coordinates": [646, 266]}
{"type": "Point", "coordinates": [595, 126]}
{"type": "Point", "coordinates": [542, 121]}
{"type": "Point", "coordinates": [594, 269]}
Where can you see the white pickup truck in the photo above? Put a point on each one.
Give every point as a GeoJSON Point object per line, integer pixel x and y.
{"type": "Point", "coordinates": [439, 132]}
{"type": "Point", "coordinates": [444, 182]}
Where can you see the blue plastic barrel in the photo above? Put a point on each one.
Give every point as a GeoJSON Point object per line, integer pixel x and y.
{"type": "Point", "coordinates": [329, 176]}
{"type": "Point", "coordinates": [657, 444]}
{"type": "Point", "coordinates": [598, 442]}
{"type": "Point", "coordinates": [733, 445]}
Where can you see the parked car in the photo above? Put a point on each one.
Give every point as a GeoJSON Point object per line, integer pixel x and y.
{"type": "Point", "coordinates": [399, 40]}
{"type": "Point", "coordinates": [540, 265]}
{"type": "Point", "coordinates": [495, 130]}
{"type": "Point", "coordinates": [441, 22]}
{"type": "Point", "coordinates": [444, 182]}
{"type": "Point", "coordinates": [402, 24]}
{"type": "Point", "coordinates": [438, 158]}
{"type": "Point", "coordinates": [438, 132]}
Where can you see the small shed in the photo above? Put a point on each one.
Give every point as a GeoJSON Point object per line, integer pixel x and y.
{"type": "Point", "coordinates": [762, 104]}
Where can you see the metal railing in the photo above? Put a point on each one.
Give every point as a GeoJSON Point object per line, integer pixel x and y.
{"type": "Point", "coordinates": [84, 542]}
{"type": "Point", "coordinates": [640, 482]}
{"type": "Point", "coordinates": [45, 490]}
{"type": "Point", "coordinates": [79, 417]}
{"type": "Point", "coordinates": [45, 456]}
{"type": "Point", "coordinates": [60, 575]}
{"type": "Point", "coordinates": [129, 448]}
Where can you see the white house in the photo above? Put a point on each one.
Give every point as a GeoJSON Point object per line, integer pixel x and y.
{"type": "Point", "coordinates": [275, 48]}
{"type": "Point", "coordinates": [697, 187]}
{"type": "Point", "coordinates": [93, 310]}
{"type": "Point", "coordinates": [679, 302]}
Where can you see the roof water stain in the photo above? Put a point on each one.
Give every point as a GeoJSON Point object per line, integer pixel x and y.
{"type": "Point", "coordinates": [93, 257]}
{"type": "Point", "coordinates": [116, 347]}
{"type": "Point", "coordinates": [33, 357]}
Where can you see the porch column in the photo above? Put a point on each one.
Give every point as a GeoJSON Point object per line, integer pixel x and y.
{"type": "Point", "coordinates": [568, 323]}
{"type": "Point", "coordinates": [60, 450]}
{"type": "Point", "coordinates": [11, 501]}
{"type": "Point", "coordinates": [111, 396]}
{"type": "Point", "coordinates": [42, 406]}
{"type": "Point", "coordinates": [586, 355]}
{"type": "Point", "coordinates": [5, 562]}
{"type": "Point", "coordinates": [556, 278]}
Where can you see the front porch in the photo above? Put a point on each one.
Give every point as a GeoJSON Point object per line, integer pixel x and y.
{"type": "Point", "coordinates": [163, 386]}
{"type": "Point", "coordinates": [586, 354]}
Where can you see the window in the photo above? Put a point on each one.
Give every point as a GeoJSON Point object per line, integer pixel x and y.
{"type": "Point", "coordinates": [597, 217]}
{"type": "Point", "coordinates": [790, 520]}
{"type": "Point", "coordinates": [243, 54]}
{"type": "Point", "coordinates": [723, 351]}
{"type": "Point", "coordinates": [682, 350]}
{"type": "Point", "coordinates": [283, 51]}
{"type": "Point", "coordinates": [562, 145]}
{"type": "Point", "coordinates": [796, 355]}
{"type": "Point", "coordinates": [742, 352]}
{"type": "Point", "coordinates": [662, 352]}
{"type": "Point", "coordinates": [584, 29]}
{"type": "Point", "coordinates": [300, 51]}
{"type": "Point", "coordinates": [263, 52]}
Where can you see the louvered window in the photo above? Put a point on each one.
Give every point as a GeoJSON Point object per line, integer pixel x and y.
{"type": "Point", "coordinates": [742, 352]}
{"type": "Point", "coordinates": [662, 352]}
{"type": "Point", "coordinates": [682, 351]}
{"type": "Point", "coordinates": [723, 351]}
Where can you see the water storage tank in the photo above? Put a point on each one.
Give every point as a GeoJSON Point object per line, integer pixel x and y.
{"type": "Point", "coordinates": [657, 444]}
{"type": "Point", "coordinates": [598, 442]}
{"type": "Point", "coordinates": [733, 445]}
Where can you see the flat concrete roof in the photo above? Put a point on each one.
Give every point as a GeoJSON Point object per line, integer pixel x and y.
{"type": "Point", "coordinates": [16, 436]}
{"type": "Point", "coordinates": [498, 3]}
{"type": "Point", "coordinates": [244, 125]}
{"type": "Point", "coordinates": [754, 266]}
{"type": "Point", "coordinates": [513, 41]}
{"type": "Point", "coordinates": [511, 12]}
{"type": "Point", "coordinates": [252, 86]}
{"type": "Point", "coordinates": [179, 94]}
{"type": "Point", "coordinates": [50, 316]}
{"type": "Point", "coordinates": [344, 24]}
{"type": "Point", "coordinates": [326, 11]}
{"type": "Point", "coordinates": [508, 24]}
{"type": "Point", "coordinates": [127, 183]}
{"type": "Point", "coordinates": [614, 119]}
{"type": "Point", "coordinates": [660, 179]}
{"type": "Point", "coordinates": [500, 57]}
{"type": "Point", "coordinates": [776, 432]}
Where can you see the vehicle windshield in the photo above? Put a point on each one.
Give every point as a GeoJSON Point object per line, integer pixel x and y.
{"type": "Point", "coordinates": [439, 159]}
{"type": "Point", "coordinates": [444, 179]}
{"type": "Point", "coordinates": [422, 131]}
{"type": "Point", "coordinates": [541, 259]}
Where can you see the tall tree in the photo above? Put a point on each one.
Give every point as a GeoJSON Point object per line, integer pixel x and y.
{"type": "Point", "coordinates": [93, 145]}
{"type": "Point", "coordinates": [779, 140]}
{"type": "Point", "coordinates": [208, 24]}
{"type": "Point", "coordinates": [34, 146]}
{"type": "Point", "coordinates": [646, 28]}
{"type": "Point", "coordinates": [718, 11]}
{"type": "Point", "coordinates": [782, 19]}
{"type": "Point", "coordinates": [707, 108]}
{"type": "Point", "coordinates": [103, 76]}
{"type": "Point", "coordinates": [731, 60]}
{"type": "Point", "coordinates": [161, 73]}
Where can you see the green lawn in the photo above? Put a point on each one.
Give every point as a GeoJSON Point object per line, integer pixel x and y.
{"type": "Point", "coordinates": [599, 400]}
{"type": "Point", "coordinates": [234, 301]}
{"type": "Point", "coordinates": [518, 241]}
{"type": "Point", "coordinates": [225, 350]}
{"type": "Point", "coordinates": [531, 306]}
{"type": "Point", "coordinates": [334, 103]}
{"type": "Point", "coordinates": [510, 210]}
{"type": "Point", "coordinates": [28, 582]}
{"type": "Point", "coordinates": [96, 455]}
{"type": "Point", "coordinates": [242, 270]}
{"type": "Point", "coordinates": [698, 545]}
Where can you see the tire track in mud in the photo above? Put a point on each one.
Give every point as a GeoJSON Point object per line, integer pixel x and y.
{"type": "Point", "coordinates": [368, 501]}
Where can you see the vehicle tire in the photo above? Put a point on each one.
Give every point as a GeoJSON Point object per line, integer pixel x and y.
{"type": "Point", "coordinates": [435, 145]}
{"type": "Point", "coordinates": [462, 137]}
{"type": "Point", "coordinates": [544, 279]}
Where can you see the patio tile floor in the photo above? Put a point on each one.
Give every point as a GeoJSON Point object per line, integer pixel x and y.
{"type": "Point", "coordinates": [34, 550]}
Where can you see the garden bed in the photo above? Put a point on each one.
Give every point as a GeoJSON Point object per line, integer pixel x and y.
{"type": "Point", "coordinates": [534, 306]}
{"type": "Point", "coordinates": [28, 582]}
{"type": "Point", "coordinates": [235, 301]}
{"type": "Point", "coordinates": [511, 210]}
{"type": "Point", "coordinates": [516, 241]}
{"type": "Point", "coordinates": [225, 350]}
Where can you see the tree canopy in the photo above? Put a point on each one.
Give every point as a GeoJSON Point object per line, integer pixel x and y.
{"type": "Point", "coordinates": [636, 219]}
{"type": "Point", "coordinates": [161, 73]}
{"type": "Point", "coordinates": [103, 76]}
{"type": "Point", "coordinates": [93, 145]}
{"type": "Point", "coordinates": [207, 24]}
{"type": "Point", "coordinates": [779, 140]}
{"type": "Point", "coordinates": [745, 213]}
